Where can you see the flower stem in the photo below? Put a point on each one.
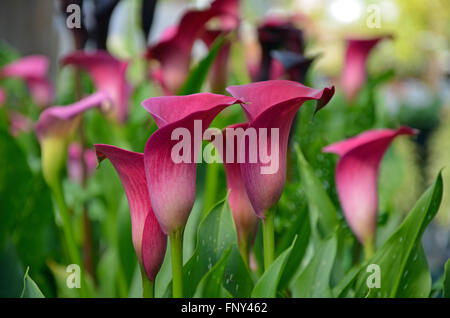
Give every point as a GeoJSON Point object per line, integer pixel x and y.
{"type": "Point", "coordinates": [176, 246]}
{"type": "Point", "coordinates": [369, 248]}
{"type": "Point", "coordinates": [147, 285]}
{"type": "Point", "coordinates": [268, 239]}
{"type": "Point", "coordinates": [243, 248]}
{"type": "Point", "coordinates": [74, 255]}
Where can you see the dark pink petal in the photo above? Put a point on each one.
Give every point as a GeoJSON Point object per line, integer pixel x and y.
{"type": "Point", "coordinates": [148, 240]}
{"type": "Point", "coordinates": [244, 216]}
{"type": "Point", "coordinates": [172, 185]}
{"type": "Point", "coordinates": [62, 120]}
{"type": "Point", "coordinates": [354, 73]}
{"type": "Point", "coordinates": [108, 74]}
{"type": "Point", "coordinates": [357, 175]}
{"type": "Point", "coordinates": [33, 70]}
{"type": "Point", "coordinates": [272, 105]}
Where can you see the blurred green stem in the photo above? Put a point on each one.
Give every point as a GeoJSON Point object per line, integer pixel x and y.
{"type": "Point", "coordinates": [268, 238]}
{"type": "Point", "coordinates": [147, 285]}
{"type": "Point", "coordinates": [369, 248]}
{"type": "Point", "coordinates": [176, 246]}
{"type": "Point", "coordinates": [243, 248]}
{"type": "Point", "coordinates": [211, 184]}
{"type": "Point", "coordinates": [74, 255]}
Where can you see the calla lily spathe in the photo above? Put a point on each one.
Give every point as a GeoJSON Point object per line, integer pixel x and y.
{"type": "Point", "coordinates": [33, 70]}
{"type": "Point", "coordinates": [244, 216]}
{"type": "Point", "coordinates": [272, 104]}
{"type": "Point", "coordinates": [357, 176]}
{"type": "Point", "coordinates": [108, 74]}
{"type": "Point", "coordinates": [148, 239]}
{"type": "Point", "coordinates": [55, 127]}
{"type": "Point", "coordinates": [172, 185]}
{"type": "Point", "coordinates": [354, 73]}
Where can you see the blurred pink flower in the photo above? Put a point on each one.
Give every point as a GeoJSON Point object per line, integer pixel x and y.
{"type": "Point", "coordinates": [354, 74]}
{"type": "Point", "coordinates": [173, 51]}
{"type": "Point", "coordinates": [108, 74]}
{"type": "Point", "coordinates": [148, 239]}
{"type": "Point", "coordinates": [272, 104]}
{"type": "Point", "coordinates": [357, 176]}
{"type": "Point", "coordinates": [79, 157]}
{"type": "Point", "coordinates": [19, 123]}
{"type": "Point", "coordinates": [172, 185]}
{"type": "Point", "coordinates": [60, 121]}
{"type": "Point", "coordinates": [33, 70]}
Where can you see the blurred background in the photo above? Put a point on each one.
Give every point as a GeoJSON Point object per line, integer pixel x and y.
{"type": "Point", "coordinates": [408, 75]}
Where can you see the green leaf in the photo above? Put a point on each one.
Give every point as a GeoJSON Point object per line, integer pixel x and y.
{"type": "Point", "coordinates": [403, 266]}
{"type": "Point", "coordinates": [446, 283]}
{"type": "Point", "coordinates": [302, 230]}
{"type": "Point", "coordinates": [314, 280]}
{"type": "Point", "coordinates": [216, 234]}
{"type": "Point", "coordinates": [323, 213]}
{"type": "Point", "coordinates": [30, 288]}
{"type": "Point", "coordinates": [211, 284]}
{"type": "Point", "coordinates": [267, 285]}
{"type": "Point", "coordinates": [198, 74]}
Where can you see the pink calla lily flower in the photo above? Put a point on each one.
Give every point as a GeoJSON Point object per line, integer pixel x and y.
{"type": "Point", "coordinates": [19, 123]}
{"type": "Point", "coordinates": [172, 185]}
{"type": "Point", "coordinates": [33, 70]}
{"type": "Point", "coordinates": [108, 74]}
{"type": "Point", "coordinates": [173, 51]}
{"type": "Point", "coordinates": [148, 239]}
{"type": "Point", "coordinates": [244, 216]}
{"type": "Point", "coordinates": [272, 104]}
{"type": "Point", "coordinates": [357, 175]}
{"type": "Point", "coordinates": [354, 73]}
{"type": "Point", "coordinates": [60, 121]}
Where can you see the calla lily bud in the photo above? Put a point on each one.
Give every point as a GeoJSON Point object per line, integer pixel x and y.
{"type": "Point", "coordinates": [357, 177]}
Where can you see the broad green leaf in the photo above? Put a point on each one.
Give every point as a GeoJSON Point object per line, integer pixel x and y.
{"type": "Point", "coordinates": [323, 212]}
{"type": "Point", "coordinates": [216, 234]}
{"type": "Point", "coordinates": [198, 74]}
{"type": "Point", "coordinates": [15, 176]}
{"type": "Point", "coordinates": [267, 285]}
{"type": "Point", "coordinates": [30, 288]}
{"type": "Point", "coordinates": [314, 280]}
{"type": "Point", "coordinates": [211, 284]}
{"type": "Point", "coordinates": [300, 228]}
{"type": "Point", "coordinates": [446, 283]}
{"type": "Point", "coordinates": [341, 289]}
{"type": "Point", "coordinates": [404, 271]}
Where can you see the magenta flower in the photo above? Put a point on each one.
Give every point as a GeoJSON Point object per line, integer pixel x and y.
{"type": "Point", "coordinates": [33, 70]}
{"type": "Point", "coordinates": [54, 128]}
{"type": "Point", "coordinates": [148, 239]}
{"type": "Point", "coordinates": [60, 121]}
{"type": "Point", "coordinates": [357, 175]}
{"type": "Point", "coordinates": [354, 73]}
{"type": "Point", "coordinates": [172, 184]}
{"type": "Point", "coordinates": [80, 159]}
{"type": "Point", "coordinates": [272, 105]}
{"type": "Point", "coordinates": [108, 74]}
{"type": "Point", "coordinates": [173, 51]}
{"type": "Point", "coordinates": [244, 216]}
